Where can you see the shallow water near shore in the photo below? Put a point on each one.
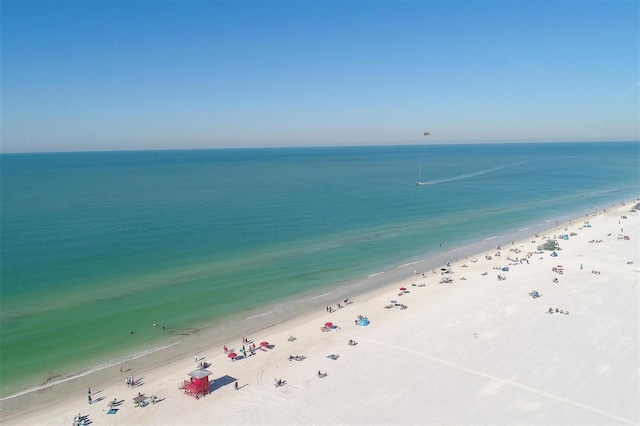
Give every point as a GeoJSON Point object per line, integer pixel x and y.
{"type": "Point", "coordinates": [96, 245]}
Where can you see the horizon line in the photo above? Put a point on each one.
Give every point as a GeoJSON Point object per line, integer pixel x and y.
{"type": "Point", "coordinates": [381, 145]}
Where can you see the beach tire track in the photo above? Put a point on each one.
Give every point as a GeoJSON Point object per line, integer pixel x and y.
{"type": "Point", "coordinates": [260, 375]}
{"type": "Point", "coordinates": [504, 381]}
{"type": "Point", "coordinates": [262, 400]}
{"type": "Point", "coordinates": [310, 414]}
{"type": "Point", "coordinates": [295, 411]}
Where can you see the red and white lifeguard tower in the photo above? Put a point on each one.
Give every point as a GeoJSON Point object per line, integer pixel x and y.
{"type": "Point", "coordinates": [198, 384]}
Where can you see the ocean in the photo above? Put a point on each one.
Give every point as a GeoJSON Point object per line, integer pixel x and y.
{"type": "Point", "coordinates": [98, 247]}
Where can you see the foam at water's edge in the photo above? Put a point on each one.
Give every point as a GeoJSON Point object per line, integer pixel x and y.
{"type": "Point", "coordinates": [92, 370]}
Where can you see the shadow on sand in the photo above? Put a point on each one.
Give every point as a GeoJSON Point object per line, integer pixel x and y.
{"type": "Point", "coordinates": [220, 382]}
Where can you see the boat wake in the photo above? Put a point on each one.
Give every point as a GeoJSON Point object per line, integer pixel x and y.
{"type": "Point", "coordinates": [465, 176]}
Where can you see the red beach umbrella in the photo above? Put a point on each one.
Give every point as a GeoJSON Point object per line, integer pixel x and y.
{"type": "Point", "coordinates": [264, 344]}
{"type": "Point", "coordinates": [328, 324]}
{"type": "Point", "coordinates": [403, 289]}
{"type": "Point", "coordinates": [232, 355]}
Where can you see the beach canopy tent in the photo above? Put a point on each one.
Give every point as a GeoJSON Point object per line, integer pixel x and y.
{"type": "Point", "coordinates": [363, 321]}
{"type": "Point", "coordinates": [139, 398]}
{"type": "Point", "coordinates": [549, 245]}
{"type": "Point", "coordinates": [198, 384]}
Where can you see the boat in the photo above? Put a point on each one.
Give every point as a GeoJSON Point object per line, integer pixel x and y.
{"type": "Point", "coordinates": [418, 182]}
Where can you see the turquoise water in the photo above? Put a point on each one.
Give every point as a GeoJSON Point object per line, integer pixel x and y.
{"type": "Point", "coordinates": [94, 245]}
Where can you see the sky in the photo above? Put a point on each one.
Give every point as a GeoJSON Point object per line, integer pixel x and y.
{"type": "Point", "coordinates": [129, 75]}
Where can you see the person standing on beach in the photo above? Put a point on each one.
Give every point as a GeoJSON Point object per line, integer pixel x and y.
{"type": "Point", "coordinates": [236, 385]}
{"type": "Point", "coordinates": [89, 399]}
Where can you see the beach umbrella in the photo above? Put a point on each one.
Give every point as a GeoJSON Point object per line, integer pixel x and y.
{"type": "Point", "coordinates": [232, 355]}
{"type": "Point", "coordinates": [403, 289]}
{"type": "Point", "coordinates": [264, 344]}
{"type": "Point", "coordinates": [139, 398]}
{"type": "Point", "coordinates": [328, 324]}
{"type": "Point", "coordinates": [394, 301]}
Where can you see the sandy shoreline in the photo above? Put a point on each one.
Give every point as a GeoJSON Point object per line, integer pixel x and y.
{"type": "Point", "coordinates": [479, 350]}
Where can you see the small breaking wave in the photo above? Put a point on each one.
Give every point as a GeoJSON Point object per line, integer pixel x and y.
{"type": "Point", "coordinates": [322, 295]}
{"type": "Point", "coordinates": [260, 315]}
{"type": "Point", "coordinates": [408, 264]}
{"type": "Point", "coordinates": [56, 381]}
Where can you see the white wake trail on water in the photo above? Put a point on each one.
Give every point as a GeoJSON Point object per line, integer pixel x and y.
{"type": "Point", "coordinates": [466, 176]}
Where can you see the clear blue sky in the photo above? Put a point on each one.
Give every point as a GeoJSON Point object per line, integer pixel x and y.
{"type": "Point", "coordinates": [111, 75]}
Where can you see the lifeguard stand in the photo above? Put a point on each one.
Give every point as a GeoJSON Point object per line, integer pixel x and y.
{"type": "Point", "coordinates": [198, 384]}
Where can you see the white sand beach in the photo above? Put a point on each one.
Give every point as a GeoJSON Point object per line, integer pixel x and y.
{"type": "Point", "coordinates": [478, 350]}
